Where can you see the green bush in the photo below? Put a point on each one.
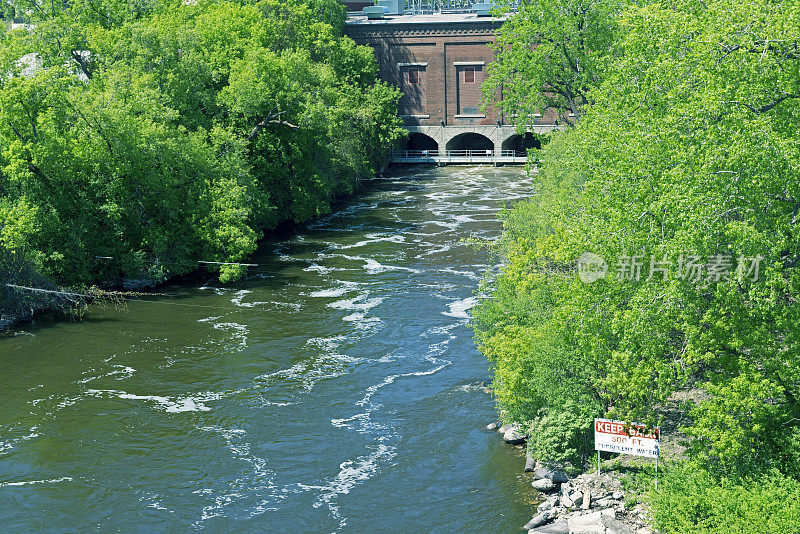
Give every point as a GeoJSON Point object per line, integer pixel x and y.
{"type": "Point", "coordinates": [564, 436]}
{"type": "Point", "coordinates": [692, 500]}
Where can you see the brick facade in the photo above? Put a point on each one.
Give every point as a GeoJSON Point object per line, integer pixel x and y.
{"type": "Point", "coordinates": [441, 52]}
{"type": "Point", "coordinates": [439, 62]}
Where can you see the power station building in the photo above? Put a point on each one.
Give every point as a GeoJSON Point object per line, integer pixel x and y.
{"type": "Point", "coordinates": [439, 61]}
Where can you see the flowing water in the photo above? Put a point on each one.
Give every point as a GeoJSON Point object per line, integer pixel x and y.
{"type": "Point", "coordinates": [335, 389]}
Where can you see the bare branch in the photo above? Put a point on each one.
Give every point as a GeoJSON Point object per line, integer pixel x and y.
{"type": "Point", "coordinates": [271, 119]}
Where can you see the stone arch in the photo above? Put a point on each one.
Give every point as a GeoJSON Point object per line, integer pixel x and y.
{"type": "Point", "coordinates": [520, 143]}
{"type": "Point", "coordinates": [470, 141]}
{"type": "Point", "coordinates": [420, 141]}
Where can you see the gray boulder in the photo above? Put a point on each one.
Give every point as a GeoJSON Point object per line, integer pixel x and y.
{"type": "Point", "coordinates": [559, 527]}
{"type": "Point", "coordinates": [515, 435]}
{"type": "Point", "coordinates": [540, 519]}
{"type": "Point", "coordinates": [547, 505]}
{"type": "Point", "coordinates": [505, 427]}
{"type": "Point", "coordinates": [615, 526]}
{"type": "Point", "coordinates": [544, 484]}
{"type": "Point", "coordinates": [556, 475]}
{"type": "Point", "coordinates": [530, 463]}
{"type": "Point", "coordinates": [602, 522]}
{"type": "Point", "coordinates": [491, 426]}
{"type": "Point", "coordinates": [586, 502]}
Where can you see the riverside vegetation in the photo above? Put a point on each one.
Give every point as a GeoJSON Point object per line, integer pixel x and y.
{"type": "Point", "coordinates": [141, 137]}
{"type": "Point", "coordinates": [687, 147]}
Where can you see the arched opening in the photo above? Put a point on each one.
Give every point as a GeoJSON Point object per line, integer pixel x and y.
{"type": "Point", "coordinates": [421, 142]}
{"type": "Point", "coordinates": [470, 141]}
{"type": "Point", "coordinates": [521, 143]}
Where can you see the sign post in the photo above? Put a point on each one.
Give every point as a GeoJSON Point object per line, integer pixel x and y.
{"type": "Point", "coordinates": [626, 438]}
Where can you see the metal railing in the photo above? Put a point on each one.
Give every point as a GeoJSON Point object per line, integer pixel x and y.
{"type": "Point", "coordinates": [408, 154]}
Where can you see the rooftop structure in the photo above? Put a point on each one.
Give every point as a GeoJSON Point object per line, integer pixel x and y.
{"type": "Point", "coordinates": [425, 18]}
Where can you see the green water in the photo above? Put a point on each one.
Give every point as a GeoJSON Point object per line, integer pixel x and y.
{"type": "Point", "coordinates": [335, 389]}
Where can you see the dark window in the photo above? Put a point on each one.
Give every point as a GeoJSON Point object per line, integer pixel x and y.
{"type": "Point", "coordinates": [469, 75]}
{"type": "Point", "coordinates": [413, 75]}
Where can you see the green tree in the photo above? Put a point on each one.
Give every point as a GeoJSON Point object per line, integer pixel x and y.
{"type": "Point", "coordinates": [161, 133]}
{"type": "Point", "coordinates": [551, 54]}
{"type": "Point", "coordinates": [687, 147]}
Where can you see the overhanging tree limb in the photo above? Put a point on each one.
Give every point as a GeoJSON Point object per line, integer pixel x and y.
{"type": "Point", "coordinates": [272, 118]}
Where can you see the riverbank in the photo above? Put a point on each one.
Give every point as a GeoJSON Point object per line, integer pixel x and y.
{"type": "Point", "coordinates": [588, 503]}
{"type": "Point", "coordinates": [37, 296]}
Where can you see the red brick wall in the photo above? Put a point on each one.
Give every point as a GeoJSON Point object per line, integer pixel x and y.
{"type": "Point", "coordinates": [439, 47]}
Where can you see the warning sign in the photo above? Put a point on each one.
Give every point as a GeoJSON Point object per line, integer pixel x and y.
{"type": "Point", "coordinates": [626, 438]}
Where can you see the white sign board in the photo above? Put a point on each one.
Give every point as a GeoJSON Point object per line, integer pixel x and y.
{"type": "Point", "coordinates": [626, 438]}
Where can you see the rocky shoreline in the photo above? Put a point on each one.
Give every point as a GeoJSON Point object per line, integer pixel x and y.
{"type": "Point", "coordinates": [589, 503]}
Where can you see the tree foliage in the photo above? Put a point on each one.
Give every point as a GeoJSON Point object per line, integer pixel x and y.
{"type": "Point", "coordinates": [161, 132]}
{"type": "Point", "coordinates": [551, 54]}
{"type": "Point", "coordinates": [687, 147]}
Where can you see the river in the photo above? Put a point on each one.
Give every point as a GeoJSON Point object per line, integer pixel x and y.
{"type": "Point", "coordinates": [334, 389]}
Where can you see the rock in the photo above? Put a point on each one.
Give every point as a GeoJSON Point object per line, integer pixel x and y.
{"type": "Point", "coordinates": [556, 475]}
{"type": "Point", "coordinates": [576, 498]}
{"type": "Point", "coordinates": [514, 435]}
{"type": "Point", "coordinates": [546, 505]}
{"type": "Point", "coordinates": [644, 530]}
{"type": "Point", "coordinates": [505, 427]}
{"type": "Point", "coordinates": [559, 527]}
{"type": "Point", "coordinates": [598, 494]}
{"type": "Point", "coordinates": [615, 526]}
{"type": "Point", "coordinates": [491, 426]}
{"type": "Point", "coordinates": [566, 501]}
{"type": "Point", "coordinates": [530, 463]}
{"type": "Point", "coordinates": [544, 484]}
{"type": "Point", "coordinates": [587, 499]}
{"type": "Point", "coordinates": [618, 495]}
{"type": "Point", "coordinates": [593, 523]}
{"type": "Point", "coordinates": [540, 519]}
{"type": "Point", "coordinates": [605, 502]}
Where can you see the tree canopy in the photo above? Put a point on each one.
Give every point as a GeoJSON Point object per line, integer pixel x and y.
{"type": "Point", "coordinates": [683, 174]}
{"type": "Point", "coordinates": [141, 136]}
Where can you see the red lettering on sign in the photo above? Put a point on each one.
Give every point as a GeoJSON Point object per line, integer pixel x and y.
{"type": "Point", "coordinates": [628, 430]}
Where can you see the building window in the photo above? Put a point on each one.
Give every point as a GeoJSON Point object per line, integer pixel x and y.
{"type": "Point", "coordinates": [413, 76]}
{"type": "Point", "coordinates": [469, 75]}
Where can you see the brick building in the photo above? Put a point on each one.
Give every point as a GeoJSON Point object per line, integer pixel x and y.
{"type": "Point", "coordinates": [439, 61]}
